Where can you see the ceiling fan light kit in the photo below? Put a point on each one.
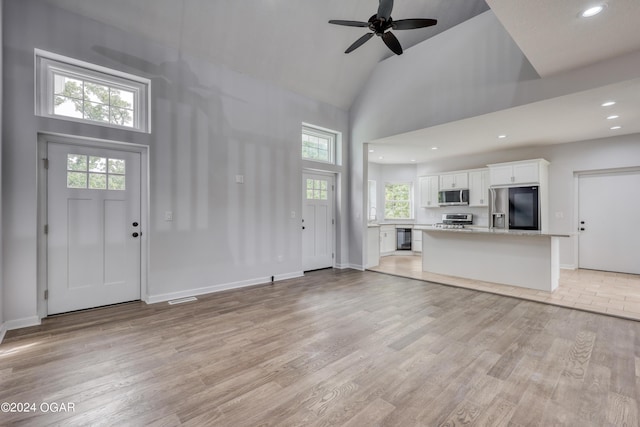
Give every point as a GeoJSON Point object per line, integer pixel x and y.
{"type": "Point", "coordinates": [380, 24]}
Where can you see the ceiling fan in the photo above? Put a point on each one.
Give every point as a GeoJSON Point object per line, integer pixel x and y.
{"type": "Point", "coordinates": [380, 23]}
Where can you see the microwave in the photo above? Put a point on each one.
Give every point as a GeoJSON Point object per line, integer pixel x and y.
{"type": "Point", "coordinates": [453, 197]}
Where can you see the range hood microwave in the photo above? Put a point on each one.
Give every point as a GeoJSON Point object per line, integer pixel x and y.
{"type": "Point", "coordinates": [453, 197]}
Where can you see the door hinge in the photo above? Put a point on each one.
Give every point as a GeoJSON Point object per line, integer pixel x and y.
{"type": "Point", "coordinates": [333, 187]}
{"type": "Point", "coordinates": [46, 229]}
{"type": "Point", "coordinates": [45, 162]}
{"type": "Point", "coordinates": [46, 294]}
{"type": "Point", "coordinates": [333, 255]}
{"type": "Point", "coordinates": [333, 221]}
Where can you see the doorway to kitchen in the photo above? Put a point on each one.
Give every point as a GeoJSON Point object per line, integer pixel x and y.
{"type": "Point", "coordinates": [607, 207]}
{"type": "Point", "coordinates": [318, 220]}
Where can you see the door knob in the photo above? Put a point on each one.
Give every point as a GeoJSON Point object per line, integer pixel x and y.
{"type": "Point", "coordinates": [135, 234]}
{"type": "Point", "coordinates": [581, 228]}
{"type": "Point", "coordinates": [303, 227]}
{"type": "Point", "coordinates": [135, 224]}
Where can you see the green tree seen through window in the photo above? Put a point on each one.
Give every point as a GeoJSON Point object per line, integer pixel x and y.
{"type": "Point", "coordinates": [91, 101]}
{"type": "Point", "coordinates": [397, 201]}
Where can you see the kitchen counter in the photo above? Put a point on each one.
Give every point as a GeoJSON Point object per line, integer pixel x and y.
{"type": "Point", "coordinates": [530, 259]}
{"type": "Point", "coordinates": [485, 230]}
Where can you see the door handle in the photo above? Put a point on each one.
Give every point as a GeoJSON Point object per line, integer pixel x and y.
{"type": "Point", "coordinates": [136, 234]}
{"type": "Point", "coordinates": [303, 227]}
{"type": "Point", "coordinates": [581, 228]}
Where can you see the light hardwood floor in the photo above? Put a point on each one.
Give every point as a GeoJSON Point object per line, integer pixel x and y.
{"type": "Point", "coordinates": [616, 294]}
{"type": "Point", "coordinates": [335, 348]}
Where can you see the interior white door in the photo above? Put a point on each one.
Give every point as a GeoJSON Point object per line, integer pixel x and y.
{"type": "Point", "coordinates": [608, 209]}
{"type": "Point", "coordinates": [317, 221]}
{"type": "Point", "coordinates": [94, 231]}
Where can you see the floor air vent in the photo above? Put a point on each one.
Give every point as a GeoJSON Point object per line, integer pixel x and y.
{"type": "Point", "coordinates": [182, 300]}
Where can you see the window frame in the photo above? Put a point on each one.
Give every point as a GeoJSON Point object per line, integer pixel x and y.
{"type": "Point", "coordinates": [411, 199]}
{"type": "Point", "coordinates": [48, 64]}
{"type": "Point", "coordinates": [332, 146]}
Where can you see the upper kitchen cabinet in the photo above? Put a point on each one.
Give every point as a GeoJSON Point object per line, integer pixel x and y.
{"type": "Point", "coordinates": [428, 191]}
{"type": "Point", "coordinates": [454, 181]}
{"type": "Point", "coordinates": [479, 187]}
{"type": "Point", "coordinates": [522, 172]}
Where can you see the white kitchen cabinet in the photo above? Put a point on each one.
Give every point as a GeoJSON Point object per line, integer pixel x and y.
{"type": "Point", "coordinates": [454, 180]}
{"type": "Point", "coordinates": [373, 246]}
{"type": "Point", "coordinates": [479, 188]}
{"type": "Point", "coordinates": [428, 191]}
{"type": "Point", "coordinates": [387, 239]}
{"type": "Point", "coordinates": [416, 240]}
{"type": "Point", "coordinates": [524, 172]}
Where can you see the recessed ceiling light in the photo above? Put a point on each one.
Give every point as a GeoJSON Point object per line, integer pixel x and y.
{"type": "Point", "coordinates": [502, 136]}
{"type": "Point", "coordinates": [371, 150]}
{"type": "Point", "coordinates": [615, 127]}
{"type": "Point", "coordinates": [592, 11]}
{"type": "Point", "coordinates": [413, 160]}
{"type": "Point", "coordinates": [612, 117]}
{"type": "Point", "coordinates": [434, 148]}
{"type": "Point", "coordinates": [380, 157]}
{"type": "Point", "coordinates": [609, 103]}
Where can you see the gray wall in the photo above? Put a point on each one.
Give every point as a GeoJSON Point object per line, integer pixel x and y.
{"type": "Point", "coordinates": [209, 125]}
{"type": "Point", "coordinates": [1, 193]}
{"type": "Point", "coordinates": [469, 70]}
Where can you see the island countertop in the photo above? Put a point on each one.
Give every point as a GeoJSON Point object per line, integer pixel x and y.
{"type": "Point", "coordinates": [484, 230]}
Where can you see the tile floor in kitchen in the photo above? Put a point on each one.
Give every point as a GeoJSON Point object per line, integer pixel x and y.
{"type": "Point", "coordinates": [617, 294]}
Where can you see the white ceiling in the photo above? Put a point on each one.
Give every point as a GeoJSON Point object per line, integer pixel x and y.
{"type": "Point", "coordinates": [290, 44]}
{"type": "Point", "coordinates": [575, 117]}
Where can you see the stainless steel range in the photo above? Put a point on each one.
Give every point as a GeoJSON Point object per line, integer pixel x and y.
{"type": "Point", "coordinates": [455, 221]}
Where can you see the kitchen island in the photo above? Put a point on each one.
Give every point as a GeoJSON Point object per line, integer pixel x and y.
{"type": "Point", "coordinates": [528, 259]}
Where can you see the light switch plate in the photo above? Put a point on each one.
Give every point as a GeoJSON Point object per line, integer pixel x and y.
{"type": "Point", "coordinates": [168, 216]}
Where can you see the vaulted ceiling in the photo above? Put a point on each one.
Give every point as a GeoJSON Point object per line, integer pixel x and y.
{"type": "Point", "coordinates": [288, 43]}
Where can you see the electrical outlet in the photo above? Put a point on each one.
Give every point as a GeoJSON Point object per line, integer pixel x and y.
{"type": "Point", "coordinates": [168, 216]}
{"type": "Point", "coordinates": [240, 179]}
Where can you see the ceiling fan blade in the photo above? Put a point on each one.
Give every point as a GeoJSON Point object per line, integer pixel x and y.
{"type": "Point", "coordinates": [410, 24]}
{"type": "Point", "coordinates": [349, 23]}
{"type": "Point", "coordinates": [359, 42]}
{"type": "Point", "coordinates": [384, 9]}
{"type": "Point", "coordinates": [392, 42]}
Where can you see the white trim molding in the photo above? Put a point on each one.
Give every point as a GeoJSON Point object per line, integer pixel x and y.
{"type": "Point", "coordinates": [25, 322]}
{"type": "Point", "coordinates": [154, 299]}
{"type": "Point", "coordinates": [3, 331]}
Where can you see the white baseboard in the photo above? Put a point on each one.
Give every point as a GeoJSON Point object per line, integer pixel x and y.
{"type": "Point", "coordinates": [25, 322]}
{"type": "Point", "coordinates": [153, 299]}
{"type": "Point", "coordinates": [3, 331]}
{"type": "Point", "coordinates": [351, 266]}
{"type": "Point", "coordinates": [567, 267]}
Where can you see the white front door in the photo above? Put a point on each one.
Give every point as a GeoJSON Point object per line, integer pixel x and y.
{"type": "Point", "coordinates": [94, 231]}
{"type": "Point", "coordinates": [317, 221]}
{"type": "Point", "coordinates": [608, 210]}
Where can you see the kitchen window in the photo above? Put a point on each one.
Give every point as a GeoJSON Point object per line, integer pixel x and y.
{"type": "Point", "coordinates": [398, 200]}
{"type": "Point", "coordinates": [74, 90]}
{"type": "Point", "coordinates": [318, 145]}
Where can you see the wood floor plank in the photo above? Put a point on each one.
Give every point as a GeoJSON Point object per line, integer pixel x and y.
{"type": "Point", "coordinates": [336, 347]}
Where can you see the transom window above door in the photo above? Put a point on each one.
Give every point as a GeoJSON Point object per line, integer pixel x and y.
{"type": "Point", "coordinates": [318, 145]}
{"type": "Point", "coordinates": [95, 173]}
{"type": "Point", "coordinates": [74, 90]}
